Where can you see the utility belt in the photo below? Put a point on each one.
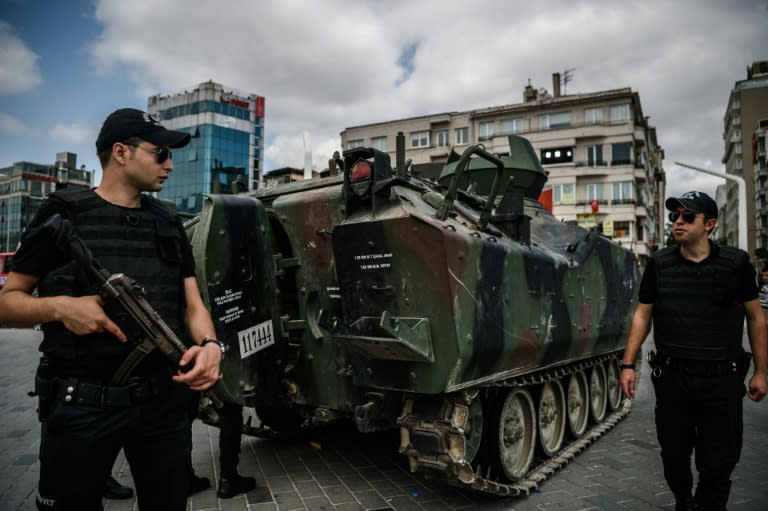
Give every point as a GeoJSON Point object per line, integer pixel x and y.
{"type": "Point", "coordinates": [50, 386]}
{"type": "Point", "coordinates": [661, 362]}
{"type": "Point", "coordinates": [137, 391]}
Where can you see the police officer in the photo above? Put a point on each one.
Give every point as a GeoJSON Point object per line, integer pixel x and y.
{"type": "Point", "coordinates": [90, 418]}
{"type": "Point", "coordinates": [697, 294]}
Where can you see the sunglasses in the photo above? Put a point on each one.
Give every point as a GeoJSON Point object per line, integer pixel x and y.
{"type": "Point", "coordinates": [688, 216]}
{"type": "Point", "coordinates": [161, 153]}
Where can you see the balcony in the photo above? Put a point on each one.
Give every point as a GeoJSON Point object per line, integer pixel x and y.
{"type": "Point", "coordinates": [596, 169]}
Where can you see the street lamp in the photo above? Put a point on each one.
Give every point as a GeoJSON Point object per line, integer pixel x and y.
{"type": "Point", "coordinates": [742, 200]}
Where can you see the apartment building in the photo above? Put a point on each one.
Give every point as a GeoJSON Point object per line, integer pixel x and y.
{"type": "Point", "coordinates": [603, 157]}
{"type": "Point", "coordinates": [744, 125]}
{"type": "Point", "coordinates": [761, 183]}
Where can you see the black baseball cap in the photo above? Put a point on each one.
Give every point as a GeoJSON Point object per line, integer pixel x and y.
{"type": "Point", "coordinates": [125, 123]}
{"type": "Point", "coordinates": [698, 202]}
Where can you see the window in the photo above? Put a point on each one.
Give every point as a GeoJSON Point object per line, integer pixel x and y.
{"type": "Point", "coordinates": [739, 163]}
{"type": "Point", "coordinates": [379, 143]}
{"type": "Point", "coordinates": [737, 148]}
{"type": "Point", "coordinates": [563, 194]}
{"type": "Point", "coordinates": [593, 115]}
{"type": "Point", "coordinates": [420, 139]}
{"type": "Point", "coordinates": [556, 155]}
{"type": "Point", "coordinates": [621, 230]}
{"type": "Point", "coordinates": [486, 130]}
{"type": "Point", "coordinates": [560, 120]}
{"type": "Point", "coordinates": [620, 113]}
{"type": "Point", "coordinates": [511, 126]}
{"type": "Point", "coordinates": [595, 155]}
{"type": "Point", "coordinates": [462, 135]}
{"type": "Point", "coordinates": [351, 144]}
{"type": "Point", "coordinates": [441, 138]}
{"type": "Point", "coordinates": [622, 192]}
{"type": "Point", "coordinates": [736, 103]}
{"type": "Point", "coordinates": [736, 135]}
{"type": "Point", "coordinates": [620, 153]}
{"type": "Point", "coordinates": [595, 191]}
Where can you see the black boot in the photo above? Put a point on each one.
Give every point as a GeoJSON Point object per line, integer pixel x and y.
{"type": "Point", "coordinates": [231, 486]}
{"type": "Point", "coordinates": [116, 491]}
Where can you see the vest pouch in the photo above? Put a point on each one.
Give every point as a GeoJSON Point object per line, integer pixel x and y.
{"type": "Point", "coordinates": [67, 280]}
{"type": "Point", "coordinates": [723, 291]}
{"type": "Point", "coordinates": [168, 241]}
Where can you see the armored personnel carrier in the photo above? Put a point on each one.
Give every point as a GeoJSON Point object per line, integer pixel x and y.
{"type": "Point", "coordinates": [458, 310]}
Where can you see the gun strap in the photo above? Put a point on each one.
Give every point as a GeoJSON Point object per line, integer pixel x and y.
{"type": "Point", "coordinates": [131, 361]}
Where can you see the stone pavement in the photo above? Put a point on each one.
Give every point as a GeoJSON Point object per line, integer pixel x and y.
{"type": "Point", "coordinates": [343, 470]}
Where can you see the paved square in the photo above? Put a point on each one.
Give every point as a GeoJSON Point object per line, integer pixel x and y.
{"type": "Point", "coordinates": [342, 470]}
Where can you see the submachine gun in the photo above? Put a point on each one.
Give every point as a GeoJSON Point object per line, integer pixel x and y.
{"type": "Point", "coordinates": [135, 316]}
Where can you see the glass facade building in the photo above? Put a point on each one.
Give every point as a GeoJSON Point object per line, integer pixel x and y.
{"type": "Point", "coordinates": [225, 153]}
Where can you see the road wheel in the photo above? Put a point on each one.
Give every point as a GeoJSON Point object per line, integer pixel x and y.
{"type": "Point", "coordinates": [597, 393]}
{"type": "Point", "coordinates": [613, 384]}
{"type": "Point", "coordinates": [514, 429]}
{"type": "Point", "coordinates": [473, 431]}
{"type": "Point", "coordinates": [577, 400]}
{"type": "Point", "coordinates": [551, 417]}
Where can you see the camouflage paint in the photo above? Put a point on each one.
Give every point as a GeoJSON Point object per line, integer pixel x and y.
{"type": "Point", "coordinates": [473, 307]}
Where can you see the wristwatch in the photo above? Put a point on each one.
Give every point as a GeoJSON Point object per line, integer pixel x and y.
{"type": "Point", "coordinates": [217, 342]}
{"type": "Point", "coordinates": [623, 366]}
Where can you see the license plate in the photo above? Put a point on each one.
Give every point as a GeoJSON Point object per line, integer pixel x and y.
{"type": "Point", "coordinates": [255, 339]}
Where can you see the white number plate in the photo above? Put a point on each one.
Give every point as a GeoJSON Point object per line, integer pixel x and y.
{"type": "Point", "coordinates": [255, 338]}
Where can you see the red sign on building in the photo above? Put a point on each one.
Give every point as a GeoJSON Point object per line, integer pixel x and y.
{"type": "Point", "coordinates": [241, 103]}
{"type": "Point", "coordinates": [259, 106]}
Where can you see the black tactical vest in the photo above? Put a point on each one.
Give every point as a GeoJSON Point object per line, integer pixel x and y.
{"type": "Point", "coordinates": [144, 244]}
{"type": "Point", "coordinates": [697, 313]}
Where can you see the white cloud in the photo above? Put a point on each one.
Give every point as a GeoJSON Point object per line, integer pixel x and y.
{"type": "Point", "coordinates": [10, 125]}
{"type": "Point", "coordinates": [324, 66]}
{"type": "Point", "coordinates": [18, 64]}
{"type": "Point", "coordinates": [288, 151]}
{"type": "Point", "coordinates": [72, 133]}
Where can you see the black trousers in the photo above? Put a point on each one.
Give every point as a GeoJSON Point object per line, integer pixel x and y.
{"type": "Point", "coordinates": [230, 430]}
{"type": "Point", "coordinates": [696, 410]}
{"type": "Point", "coordinates": [81, 442]}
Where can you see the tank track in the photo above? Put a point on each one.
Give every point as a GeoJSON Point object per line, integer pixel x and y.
{"type": "Point", "coordinates": [449, 463]}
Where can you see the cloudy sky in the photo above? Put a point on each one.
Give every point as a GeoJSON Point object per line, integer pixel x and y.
{"type": "Point", "coordinates": [328, 64]}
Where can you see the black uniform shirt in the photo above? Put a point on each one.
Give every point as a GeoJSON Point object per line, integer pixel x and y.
{"type": "Point", "coordinates": [747, 275]}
